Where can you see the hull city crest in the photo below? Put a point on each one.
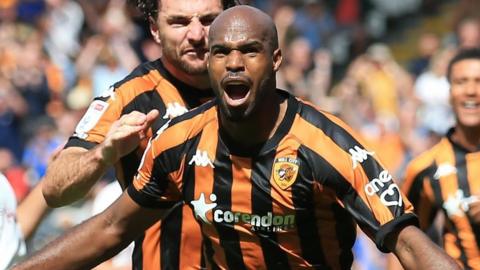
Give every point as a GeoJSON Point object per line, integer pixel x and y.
{"type": "Point", "coordinates": [285, 170]}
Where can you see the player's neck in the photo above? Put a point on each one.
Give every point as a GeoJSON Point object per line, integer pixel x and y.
{"type": "Point", "coordinates": [261, 126]}
{"type": "Point", "coordinates": [467, 137]}
{"type": "Point", "coordinates": [199, 81]}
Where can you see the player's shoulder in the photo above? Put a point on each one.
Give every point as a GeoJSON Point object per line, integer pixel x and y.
{"type": "Point", "coordinates": [188, 125]}
{"type": "Point", "coordinates": [321, 119]}
{"type": "Point", "coordinates": [327, 125]}
{"type": "Point", "coordinates": [140, 80]}
{"type": "Point", "coordinates": [425, 159]}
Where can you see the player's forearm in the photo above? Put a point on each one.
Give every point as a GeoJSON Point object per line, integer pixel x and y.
{"type": "Point", "coordinates": [84, 247]}
{"type": "Point", "coordinates": [31, 211]}
{"type": "Point", "coordinates": [72, 174]}
{"type": "Point", "coordinates": [415, 251]}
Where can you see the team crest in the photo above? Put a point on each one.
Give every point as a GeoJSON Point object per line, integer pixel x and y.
{"type": "Point", "coordinates": [285, 170]}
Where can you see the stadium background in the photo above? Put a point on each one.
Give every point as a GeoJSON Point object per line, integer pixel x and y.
{"type": "Point", "coordinates": [378, 64]}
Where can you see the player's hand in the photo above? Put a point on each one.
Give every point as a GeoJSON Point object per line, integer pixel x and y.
{"type": "Point", "coordinates": [125, 135]}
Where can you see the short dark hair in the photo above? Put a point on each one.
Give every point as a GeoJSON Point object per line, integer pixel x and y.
{"type": "Point", "coordinates": [149, 8]}
{"type": "Point", "coordinates": [471, 53]}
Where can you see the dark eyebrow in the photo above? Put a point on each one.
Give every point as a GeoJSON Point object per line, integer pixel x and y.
{"type": "Point", "coordinates": [182, 17]}
{"type": "Point", "coordinates": [248, 44]}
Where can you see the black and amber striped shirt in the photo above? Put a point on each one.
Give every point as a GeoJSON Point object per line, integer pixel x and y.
{"type": "Point", "coordinates": [149, 86]}
{"type": "Point", "coordinates": [292, 203]}
{"type": "Point", "coordinates": [446, 178]}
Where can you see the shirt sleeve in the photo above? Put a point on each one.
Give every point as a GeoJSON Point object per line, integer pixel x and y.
{"type": "Point", "coordinates": [364, 187]}
{"type": "Point", "coordinates": [151, 185]}
{"type": "Point", "coordinates": [419, 191]}
{"type": "Point", "coordinates": [97, 120]}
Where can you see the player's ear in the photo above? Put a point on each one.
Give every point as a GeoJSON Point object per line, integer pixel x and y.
{"type": "Point", "coordinates": [277, 59]}
{"type": "Point", "coordinates": [154, 29]}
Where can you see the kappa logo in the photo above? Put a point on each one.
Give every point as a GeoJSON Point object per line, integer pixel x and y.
{"type": "Point", "coordinates": [359, 155]}
{"type": "Point", "coordinates": [201, 159]}
{"type": "Point", "coordinates": [174, 109]}
{"type": "Point", "coordinates": [444, 169]}
{"type": "Point", "coordinates": [285, 170]}
{"type": "Point", "coordinates": [390, 196]}
{"type": "Point", "coordinates": [457, 204]}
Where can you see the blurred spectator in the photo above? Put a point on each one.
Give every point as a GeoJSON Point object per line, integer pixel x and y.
{"type": "Point", "coordinates": [12, 108]}
{"type": "Point", "coordinates": [432, 90]}
{"type": "Point", "coordinates": [16, 175]}
{"type": "Point", "coordinates": [41, 146]}
{"type": "Point", "coordinates": [18, 223]}
{"type": "Point", "coordinates": [63, 22]}
{"type": "Point", "coordinates": [314, 22]}
{"type": "Point", "coordinates": [468, 33]}
{"type": "Point", "coordinates": [29, 76]}
{"type": "Point", "coordinates": [12, 244]}
{"type": "Point", "coordinates": [297, 63]}
{"type": "Point", "coordinates": [428, 44]}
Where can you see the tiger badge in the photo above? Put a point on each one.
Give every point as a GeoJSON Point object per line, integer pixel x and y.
{"type": "Point", "coordinates": [285, 170]}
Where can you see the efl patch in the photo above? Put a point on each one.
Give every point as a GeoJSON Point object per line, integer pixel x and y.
{"type": "Point", "coordinates": [285, 171]}
{"type": "Point", "coordinates": [91, 117]}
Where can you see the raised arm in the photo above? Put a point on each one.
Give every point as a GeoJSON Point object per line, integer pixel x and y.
{"type": "Point", "coordinates": [74, 172]}
{"type": "Point", "coordinates": [415, 250]}
{"type": "Point", "coordinates": [31, 211]}
{"type": "Point", "coordinates": [95, 240]}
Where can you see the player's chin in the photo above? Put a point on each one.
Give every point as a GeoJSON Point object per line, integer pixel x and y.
{"type": "Point", "coordinates": [195, 67]}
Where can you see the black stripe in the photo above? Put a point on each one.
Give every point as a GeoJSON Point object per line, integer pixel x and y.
{"type": "Point", "coordinates": [346, 234]}
{"type": "Point", "coordinates": [222, 188]}
{"type": "Point", "coordinates": [327, 175]}
{"type": "Point", "coordinates": [303, 200]}
{"type": "Point", "coordinates": [417, 185]}
{"type": "Point", "coordinates": [209, 252]}
{"type": "Point", "coordinates": [275, 258]}
{"type": "Point", "coordinates": [462, 175]}
{"type": "Point", "coordinates": [77, 142]}
{"type": "Point", "coordinates": [131, 161]}
{"type": "Point", "coordinates": [140, 71]}
{"type": "Point", "coordinates": [416, 190]}
{"type": "Point", "coordinates": [463, 183]}
{"type": "Point", "coordinates": [170, 238]}
{"type": "Point", "coordinates": [346, 141]}
{"type": "Point", "coordinates": [137, 254]}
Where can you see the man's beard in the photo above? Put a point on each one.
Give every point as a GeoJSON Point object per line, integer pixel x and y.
{"type": "Point", "coordinates": [183, 64]}
{"type": "Point", "coordinates": [191, 69]}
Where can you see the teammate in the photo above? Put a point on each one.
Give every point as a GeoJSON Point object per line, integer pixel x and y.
{"type": "Point", "coordinates": [116, 127]}
{"type": "Point", "coordinates": [446, 178]}
{"type": "Point", "coordinates": [270, 178]}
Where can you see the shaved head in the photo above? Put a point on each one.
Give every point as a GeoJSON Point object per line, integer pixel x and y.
{"type": "Point", "coordinates": [243, 59]}
{"type": "Point", "coordinates": [250, 21]}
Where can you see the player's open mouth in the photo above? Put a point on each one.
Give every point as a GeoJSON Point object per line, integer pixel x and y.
{"type": "Point", "coordinates": [236, 90]}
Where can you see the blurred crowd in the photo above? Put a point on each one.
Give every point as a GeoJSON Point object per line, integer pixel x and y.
{"type": "Point", "coordinates": [57, 55]}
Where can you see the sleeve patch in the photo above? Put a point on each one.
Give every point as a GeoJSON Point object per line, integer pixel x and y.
{"type": "Point", "coordinates": [90, 119]}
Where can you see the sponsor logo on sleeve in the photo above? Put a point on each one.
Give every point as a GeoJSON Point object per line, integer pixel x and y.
{"type": "Point", "coordinates": [390, 192]}
{"type": "Point", "coordinates": [90, 119]}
